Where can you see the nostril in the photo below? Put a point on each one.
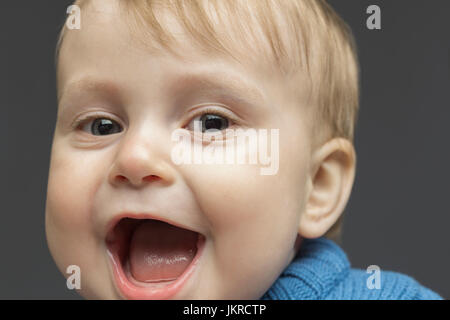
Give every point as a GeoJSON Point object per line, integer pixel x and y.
{"type": "Point", "coordinates": [148, 178]}
{"type": "Point", "coordinates": [121, 178]}
{"type": "Point", "coordinates": [151, 178]}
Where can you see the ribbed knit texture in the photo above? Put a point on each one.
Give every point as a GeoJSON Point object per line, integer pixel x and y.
{"type": "Point", "coordinates": [321, 271]}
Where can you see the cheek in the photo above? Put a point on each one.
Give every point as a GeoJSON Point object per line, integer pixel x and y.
{"type": "Point", "coordinates": [70, 191]}
{"type": "Point", "coordinates": [238, 196]}
{"type": "Point", "coordinates": [69, 229]}
{"type": "Point", "coordinates": [253, 217]}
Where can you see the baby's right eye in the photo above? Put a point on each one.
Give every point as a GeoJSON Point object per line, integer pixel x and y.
{"type": "Point", "coordinates": [99, 126]}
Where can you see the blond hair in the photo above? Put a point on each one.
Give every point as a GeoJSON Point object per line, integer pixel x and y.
{"type": "Point", "coordinates": [298, 36]}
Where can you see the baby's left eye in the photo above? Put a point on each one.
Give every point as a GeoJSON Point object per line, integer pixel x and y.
{"type": "Point", "coordinates": [210, 121]}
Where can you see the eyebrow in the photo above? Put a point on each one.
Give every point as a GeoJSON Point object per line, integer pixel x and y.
{"type": "Point", "coordinates": [92, 84]}
{"type": "Point", "coordinates": [228, 86]}
{"type": "Point", "coordinates": [242, 91]}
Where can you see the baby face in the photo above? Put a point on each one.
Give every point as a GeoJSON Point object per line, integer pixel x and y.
{"type": "Point", "coordinates": [137, 224]}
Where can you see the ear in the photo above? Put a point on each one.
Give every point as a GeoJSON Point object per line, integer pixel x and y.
{"type": "Point", "coordinates": [330, 183]}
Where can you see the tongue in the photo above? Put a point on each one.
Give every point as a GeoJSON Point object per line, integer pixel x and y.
{"type": "Point", "coordinates": [160, 251]}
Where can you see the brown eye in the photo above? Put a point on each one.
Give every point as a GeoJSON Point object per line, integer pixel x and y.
{"type": "Point", "coordinates": [103, 126]}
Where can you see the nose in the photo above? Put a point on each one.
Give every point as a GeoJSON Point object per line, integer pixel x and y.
{"type": "Point", "coordinates": [137, 163]}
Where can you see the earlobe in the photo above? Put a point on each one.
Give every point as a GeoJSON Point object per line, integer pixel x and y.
{"type": "Point", "coordinates": [331, 180]}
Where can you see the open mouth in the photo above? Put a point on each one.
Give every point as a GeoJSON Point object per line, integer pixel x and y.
{"type": "Point", "coordinates": [152, 259]}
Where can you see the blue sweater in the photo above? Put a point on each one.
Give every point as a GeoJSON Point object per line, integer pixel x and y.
{"type": "Point", "coordinates": [321, 271]}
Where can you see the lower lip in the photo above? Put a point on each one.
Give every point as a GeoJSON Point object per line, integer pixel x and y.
{"type": "Point", "coordinates": [157, 291]}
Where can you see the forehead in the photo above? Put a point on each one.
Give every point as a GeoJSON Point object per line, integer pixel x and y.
{"type": "Point", "coordinates": [114, 40]}
{"type": "Point", "coordinates": [240, 30]}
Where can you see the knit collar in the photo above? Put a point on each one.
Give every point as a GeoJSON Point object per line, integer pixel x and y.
{"type": "Point", "coordinates": [317, 268]}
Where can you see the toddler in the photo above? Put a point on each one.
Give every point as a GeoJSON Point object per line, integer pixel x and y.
{"type": "Point", "coordinates": [140, 225]}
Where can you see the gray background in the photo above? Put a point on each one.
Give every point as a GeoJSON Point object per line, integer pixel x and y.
{"type": "Point", "coordinates": [398, 216]}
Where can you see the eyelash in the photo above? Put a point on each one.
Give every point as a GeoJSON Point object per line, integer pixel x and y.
{"type": "Point", "coordinates": [90, 117]}
{"type": "Point", "coordinates": [208, 110]}
{"type": "Point", "coordinates": [214, 111]}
